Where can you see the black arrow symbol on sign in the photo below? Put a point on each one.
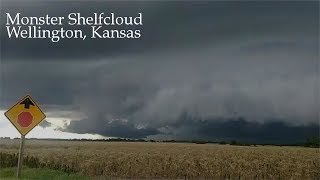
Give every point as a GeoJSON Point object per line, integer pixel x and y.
{"type": "Point", "coordinates": [27, 102]}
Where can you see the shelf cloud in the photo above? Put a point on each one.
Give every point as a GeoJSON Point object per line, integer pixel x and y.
{"type": "Point", "coordinates": [201, 70]}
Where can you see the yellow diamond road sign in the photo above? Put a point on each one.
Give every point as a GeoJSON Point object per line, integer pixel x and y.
{"type": "Point", "coordinates": [25, 115]}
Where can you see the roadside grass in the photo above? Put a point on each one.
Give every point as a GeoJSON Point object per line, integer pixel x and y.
{"type": "Point", "coordinates": [38, 173]}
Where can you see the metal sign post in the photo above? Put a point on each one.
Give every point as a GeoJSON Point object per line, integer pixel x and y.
{"type": "Point", "coordinates": [20, 158]}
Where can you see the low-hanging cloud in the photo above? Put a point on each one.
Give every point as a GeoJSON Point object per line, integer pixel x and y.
{"type": "Point", "coordinates": [248, 65]}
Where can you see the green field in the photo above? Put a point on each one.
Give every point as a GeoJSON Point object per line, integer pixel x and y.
{"type": "Point", "coordinates": [38, 173]}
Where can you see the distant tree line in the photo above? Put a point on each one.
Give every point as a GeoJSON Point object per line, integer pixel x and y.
{"type": "Point", "coordinates": [313, 141]}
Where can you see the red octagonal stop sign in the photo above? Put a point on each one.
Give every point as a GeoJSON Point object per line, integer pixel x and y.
{"type": "Point", "coordinates": [25, 119]}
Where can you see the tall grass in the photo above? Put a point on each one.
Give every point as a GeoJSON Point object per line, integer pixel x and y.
{"type": "Point", "coordinates": [168, 160]}
{"type": "Point", "coordinates": [11, 160]}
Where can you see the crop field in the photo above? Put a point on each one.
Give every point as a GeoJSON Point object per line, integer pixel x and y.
{"type": "Point", "coordinates": [165, 160]}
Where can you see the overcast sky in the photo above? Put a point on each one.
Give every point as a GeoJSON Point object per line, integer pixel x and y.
{"type": "Point", "coordinates": [201, 70]}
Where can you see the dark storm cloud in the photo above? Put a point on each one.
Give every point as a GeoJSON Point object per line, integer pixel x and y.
{"type": "Point", "coordinates": [166, 25]}
{"type": "Point", "coordinates": [215, 60]}
{"type": "Point", "coordinates": [273, 131]}
{"type": "Point", "coordinates": [114, 128]}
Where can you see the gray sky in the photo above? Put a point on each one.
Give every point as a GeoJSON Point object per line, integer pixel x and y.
{"type": "Point", "coordinates": [202, 70]}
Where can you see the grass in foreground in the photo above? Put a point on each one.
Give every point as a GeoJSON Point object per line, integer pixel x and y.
{"type": "Point", "coordinates": [108, 160]}
{"type": "Point", "coordinates": [38, 173]}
